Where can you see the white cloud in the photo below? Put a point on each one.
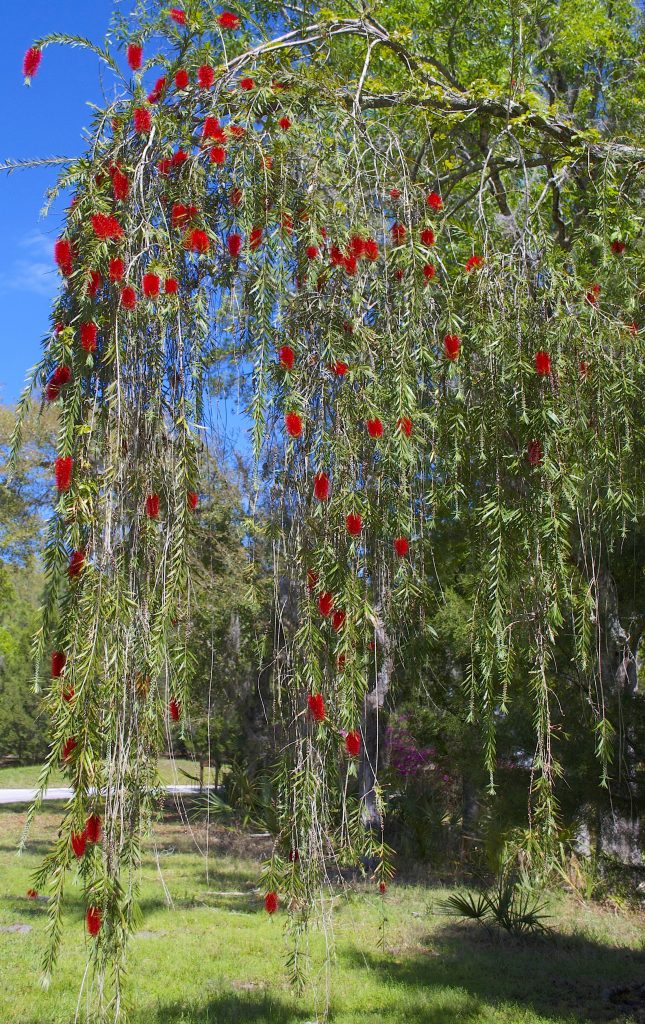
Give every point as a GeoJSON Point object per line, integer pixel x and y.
{"type": "Point", "coordinates": [35, 271]}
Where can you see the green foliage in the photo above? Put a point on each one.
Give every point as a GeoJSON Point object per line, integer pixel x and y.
{"type": "Point", "coordinates": [509, 905]}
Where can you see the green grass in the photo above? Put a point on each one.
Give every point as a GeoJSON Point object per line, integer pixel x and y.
{"type": "Point", "coordinates": [26, 776]}
{"type": "Point", "coordinates": [215, 957]}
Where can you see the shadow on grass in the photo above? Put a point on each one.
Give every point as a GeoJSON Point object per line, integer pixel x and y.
{"type": "Point", "coordinates": [561, 977]}
{"type": "Point", "coordinates": [227, 1008]}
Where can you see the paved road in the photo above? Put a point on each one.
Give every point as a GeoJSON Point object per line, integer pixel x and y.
{"type": "Point", "coordinates": [25, 796]}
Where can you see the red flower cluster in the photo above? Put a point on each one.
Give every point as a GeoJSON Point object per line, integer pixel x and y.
{"type": "Point", "coordinates": [213, 130]}
{"type": "Point", "coordinates": [76, 564]}
{"type": "Point", "coordinates": [325, 603]}
{"type": "Point", "coordinates": [312, 252]}
{"type": "Point", "coordinates": [247, 84]}
{"type": "Point", "coordinates": [120, 184]}
{"type": "Point", "coordinates": [152, 506]}
{"type": "Point", "coordinates": [353, 743]}
{"type": "Point", "coordinates": [228, 20]}
{"type": "Point", "coordinates": [61, 376]}
{"type": "Point", "coordinates": [79, 843]}
{"type": "Point", "coordinates": [434, 201]}
{"type": "Point", "coordinates": [340, 368]}
{"type": "Point", "coordinates": [617, 247]}
{"type": "Point", "coordinates": [542, 364]}
{"type": "Point", "coordinates": [31, 61]}
{"type": "Point", "coordinates": [63, 468]}
{"type": "Point", "coordinates": [116, 269]}
{"type": "Point", "coordinates": [205, 77]}
{"type": "Point", "coordinates": [94, 283]}
{"type": "Point", "coordinates": [171, 286]}
{"type": "Point", "coordinates": [287, 357]}
{"type": "Point", "coordinates": [157, 90]}
{"type": "Point", "coordinates": [451, 346]}
{"type": "Point", "coordinates": [293, 424]}
{"type": "Point", "coordinates": [128, 297]}
{"type": "Point", "coordinates": [142, 120]}
{"type": "Point", "coordinates": [182, 78]}
{"type": "Point", "coordinates": [150, 284]}
{"type": "Point", "coordinates": [63, 256]}
{"type": "Point", "coordinates": [401, 546]}
{"type": "Point", "coordinates": [177, 15]}
{"type": "Point", "coordinates": [404, 424]}
{"type": "Point", "coordinates": [89, 332]}
{"type": "Point", "coordinates": [59, 660]}
{"type": "Point", "coordinates": [321, 486]}
{"type": "Point", "coordinates": [197, 241]}
{"type": "Point", "coordinates": [235, 197]}
{"type": "Point", "coordinates": [535, 453]}
{"type": "Point", "coordinates": [472, 263]}
{"type": "Point", "coordinates": [429, 271]}
{"type": "Point", "coordinates": [234, 245]}
{"type": "Point", "coordinates": [354, 524]}
{"type": "Point", "coordinates": [316, 704]}
{"type": "Point", "coordinates": [93, 920]}
{"type": "Point", "coordinates": [174, 709]}
{"type": "Point", "coordinates": [192, 498]}
{"type": "Point", "coordinates": [338, 620]}
{"type": "Point", "coordinates": [285, 124]}
{"type": "Point", "coordinates": [592, 295]}
{"type": "Point", "coordinates": [69, 746]}
{"type": "Point", "coordinates": [374, 427]}
{"type": "Point", "coordinates": [93, 828]}
{"type": "Point", "coordinates": [427, 236]}
{"type": "Point", "coordinates": [135, 56]}
{"type": "Point", "coordinates": [217, 155]}
{"type": "Point", "coordinates": [255, 238]}
{"type": "Point", "coordinates": [106, 226]}
{"type": "Point", "coordinates": [398, 233]}
{"type": "Point", "coordinates": [271, 902]}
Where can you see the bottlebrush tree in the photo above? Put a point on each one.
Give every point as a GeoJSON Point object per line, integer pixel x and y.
{"type": "Point", "coordinates": [429, 284]}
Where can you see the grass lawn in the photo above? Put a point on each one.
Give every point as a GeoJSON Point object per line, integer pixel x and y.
{"type": "Point", "coordinates": [172, 772]}
{"type": "Point", "coordinates": [215, 957]}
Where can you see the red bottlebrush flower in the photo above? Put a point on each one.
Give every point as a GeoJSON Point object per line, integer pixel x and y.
{"type": "Point", "coordinates": [321, 486]}
{"type": "Point", "coordinates": [340, 368]}
{"type": "Point", "coordinates": [271, 902]}
{"type": "Point", "coordinates": [32, 894]}
{"type": "Point", "coordinates": [197, 241]}
{"type": "Point", "coordinates": [356, 247]}
{"type": "Point", "coordinates": [592, 295]}
{"type": "Point", "coordinates": [180, 214]}
{"type": "Point", "coordinates": [205, 77]}
{"type": "Point", "coordinates": [68, 694]}
{"type": "Point", "coordinates": [312, 252]}
{"type": "Point", "coordinates": [94, 283]}
{"type": "Point", "coordinates": [61, 376]}
{"type": "Point", "coordinates": [285, 124]}
{"type": "Point", "coordinates": [235, 197]}
{"type": "Point", "coordinates": [353, 743]}
{"type": "Point", "coordinates": [371, 249]}
{"type": "Point", "coordinates": [213, 130]}
{"type": "Point", "coordinates": [350, 264]}
{"type": "Point", "coordinates": [336, 256]}
{"type": "Point", "coordinates": [192, 498]}
{"type": "Point", "coordinates": [59, 660]}
{"type": "Point", "coordinates": [142, 120]}
{"type": "Point", "coordinates": [69, 746]}
{"type": "Point", "coordinates": [543, 364]}
{"type": "Point", "coordinates": [171, 286]}
{"type": "Point", "coordinates": [152, 506]}
{"type": "Point", "coordinates": [227, 20]}
{"type": "Point", "coordinates": [174, 710]}
{"type": "Point", "coordinates": [177, 15]}
{"type": "Point", "coordinates": [31, 61]}
{"type": "Point", "coordinates": [287, 357]}
{"type": "Point", "coordinates": [338, 620]}
{"type": "Point", "coordinates": [63, 468]}
{"type": "Point", "coordinates": [179, 158]}
{"type": "Point", "coordinates": [93, 828]}
{"type": "Point", "coordinates": [93, 920]}
{"type": "Point", "coordinates": [217, 155]}
{"type": "Point", "coordinates": [164, 165]}
{"type": "Point", "coordinates": [398, 233]}
{"type": "Point", "coordinates": [120, 185]}
{"type": "Point", "coordinates": [401, 546]}
{"type": "Point", "coordinates": [135, 56]}
{"type": "Point", "coordinates": [583, 368]}
{"type": "Point", "coordinates": [116, 269]}
{"type": "Point", "coordinates": [399, 274]}
{"type": "Point", "coordinates": [374, 427]}
{"type": "Point", "coordinates": [312, 579]}
{"type": "Point", "coordinates": [472, 263]}
{"type": "Point", "coordinates": [429, 271]}
{"type": "Point", "coordinates": [325, 604]}
{"type": "Point", "coordinates": [63, 256]}
{"type": "Point", "coordinates": [236, 130]}
{"type": "Point", "coordinates": [395, 193]}
{"type": "Point", "coordinates": [158, 89]}
{"type": "Point", "coordinates": [404, 424]}
{"type": "Point", "coordinates": [316, 704]}
{"type": "Point", "coordinates": [182, 79]}
{"type": "Point", "coordinates": [354, 524]}
{"type": "Point", "coordinates": [76, 564]}
{"type": "Point", "coordinates": [434, 201]}
{"type": "Point", "coordinates": [427, 236]}
{"type": "Point", "coordinates": [382, 888]}
{"type": "Point", "coordinates": [617, 247]}
{"type": "Point", "coordinates": [293, 424]}
{"type": "Point", "coordinates": [255, 238]}
{"type": "Point", "coordinates": [247, 84]}
{"type": "Point", "coordinates": [234, 245]}
{"type": "Point", "coordinates": [106, 226]}
{"type": "Point", "coordinates": [150, 284]}
{"type": "Point", "coordinates": [451, 346]}
{"type": "Point", "coordinates": [534, 453]}
{"type": "Point", "coordinates": [89, 334]}
{"type": "Point", "coordinates": [128, 297]}
{"type": "Point", "coordinates": [294, 856]}
{"type": "Point", "coordinates": [79, 843]}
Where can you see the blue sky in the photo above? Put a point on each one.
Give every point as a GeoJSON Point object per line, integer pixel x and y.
{"type": "Point", "coordinates": [47, 119]}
